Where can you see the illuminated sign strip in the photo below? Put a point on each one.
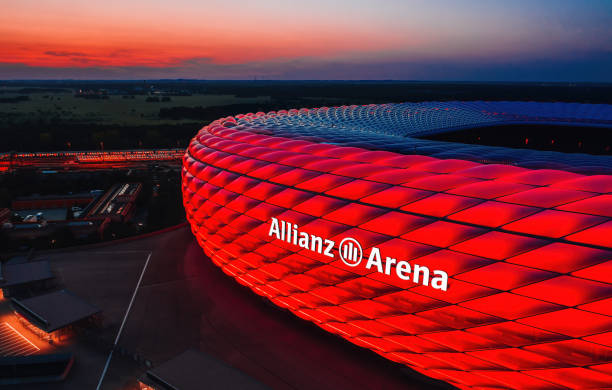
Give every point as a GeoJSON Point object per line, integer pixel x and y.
{"type": "Point", "coordinates": [351, 253]}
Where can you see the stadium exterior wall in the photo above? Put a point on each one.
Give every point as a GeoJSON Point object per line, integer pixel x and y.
{"type": "Point", "coordinates": [481, 275]}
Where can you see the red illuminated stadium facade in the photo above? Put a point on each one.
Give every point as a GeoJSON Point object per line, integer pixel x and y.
{"type": "Point", "coordinates": [523, 256]}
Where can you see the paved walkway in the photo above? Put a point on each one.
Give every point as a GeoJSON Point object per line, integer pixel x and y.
{"type": "Point", "coordinates": [184, 301]}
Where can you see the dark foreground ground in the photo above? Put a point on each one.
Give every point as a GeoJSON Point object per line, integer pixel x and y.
{"type": "Point", "coordinates": [185, 302]}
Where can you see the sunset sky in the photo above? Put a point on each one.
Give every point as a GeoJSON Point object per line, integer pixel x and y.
{"type": "Point", "coordinates": [519, 40]}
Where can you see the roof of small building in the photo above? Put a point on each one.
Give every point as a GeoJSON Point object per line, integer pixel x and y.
{"type": "Point", "coordinates": [23, 273]}
{"type": "Point", "coordinates": [194, 370]}
{"type": "Point", "coordinates": [54, 310]}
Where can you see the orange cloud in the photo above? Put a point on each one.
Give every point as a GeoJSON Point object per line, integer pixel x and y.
{"type": "Point", "coordinates": [85, 36]}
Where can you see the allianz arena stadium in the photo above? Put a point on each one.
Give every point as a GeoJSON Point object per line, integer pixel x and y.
{"type": "Point", "coordinates": [480, 274]}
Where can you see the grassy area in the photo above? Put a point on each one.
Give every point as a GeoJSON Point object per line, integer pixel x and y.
{"type": "Point", "coordinates": [44, 108]}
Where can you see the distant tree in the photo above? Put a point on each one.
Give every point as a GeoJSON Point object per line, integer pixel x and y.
{"type": "Point", "coordinates": [153, 138]}
{"type": "Point", "coordinates": [45, 139]}
{"type": "Point", "coordinates": [97, 137]}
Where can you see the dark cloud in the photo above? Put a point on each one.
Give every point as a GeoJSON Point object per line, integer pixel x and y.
{"type": "Point", "coordinates": [120, 53]}
{"type": "Point", "coordinates": [65, 53]}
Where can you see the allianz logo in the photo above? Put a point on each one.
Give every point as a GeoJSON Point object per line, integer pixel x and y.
{"type": "Point", "coordinates": [350, 251]}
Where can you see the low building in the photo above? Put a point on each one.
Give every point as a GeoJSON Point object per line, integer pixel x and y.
{"type": "Point", "coordinates": [25, 278]}
{"type": "Point", "coordinates": [81, 216]}
{"type": "Point", "coordinates": [25, 370]}
{"type": "Point", "coordinates": [53, 201]}
{"type": "Point", "coordinates": [195, 370]}
{"type": "Point", "coordinates": [54, 316]}
{"type": "Point", "coordinates": [117, 204]}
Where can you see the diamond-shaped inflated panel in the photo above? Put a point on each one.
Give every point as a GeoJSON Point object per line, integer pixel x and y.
{"type": "Point", "coordinates": [527, 252]}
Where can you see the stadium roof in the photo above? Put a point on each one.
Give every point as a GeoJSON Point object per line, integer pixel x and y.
{"type": "Point", "coordinates": [396, 126]}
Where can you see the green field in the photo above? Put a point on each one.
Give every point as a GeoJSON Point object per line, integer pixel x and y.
{"type": "Point", "coordinates": [115, 110]}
